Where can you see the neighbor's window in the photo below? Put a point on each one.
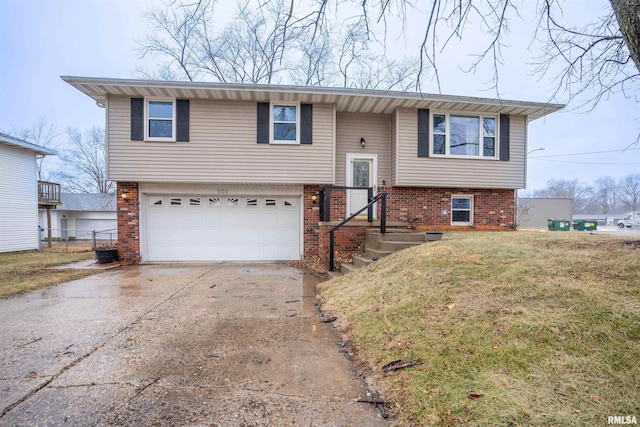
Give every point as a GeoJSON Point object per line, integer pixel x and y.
{"type": "Point", "coordinates": [463, 135]}
{"type": "Point", "coordinates": [461, 210]}
{"type": "Point", "coordinates": [160, 120]}
{"type": "Point", "coordinates": [285, 123]}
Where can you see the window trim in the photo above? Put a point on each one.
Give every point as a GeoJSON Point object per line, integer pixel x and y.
{"type": "Point", "coordinates": [174, 119]}
{"type": "Point", "coordinates": [481, 116]}
{"type": "Point", "coordinates": [471, 208]}
{"type": "Point", "coordinates": [272, 106]}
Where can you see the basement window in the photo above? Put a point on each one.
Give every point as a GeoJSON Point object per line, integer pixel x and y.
{"type": "Point", "coordinates": [461, 210]}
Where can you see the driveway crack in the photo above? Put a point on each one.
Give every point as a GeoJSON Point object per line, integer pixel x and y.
{"type": "Point", "coordinates": [74, 362]}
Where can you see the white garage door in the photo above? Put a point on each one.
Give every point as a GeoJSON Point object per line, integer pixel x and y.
{"type": "Point", "coordinates": [225, 228]}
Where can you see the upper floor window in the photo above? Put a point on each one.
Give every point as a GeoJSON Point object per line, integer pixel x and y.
{"type": "Point", "coordinates": [160, 120]}
{"type": "Point", "coordinates": [463, 135]}
{"type": "Point", "coordinates": [285, 123]}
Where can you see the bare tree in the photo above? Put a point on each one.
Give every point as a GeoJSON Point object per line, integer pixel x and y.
{"type": "Point", "coordinates": [606, 195]}
{"type": "Point", "coordinates": [594, 57]}
{"type": "Point", "coordinates": [85, 162]}
{"type": "Point", "coordinates": [45, 135]}
{"type": "Point", "coordinates": [269, 43]}
{"type": "Point", "coordinates": [630, 192]}
{"type": "Point", "coordinates": [248, 50]}
{"type": "Point", "coordinates": [603, 56]}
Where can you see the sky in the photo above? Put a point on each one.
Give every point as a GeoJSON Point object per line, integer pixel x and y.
{"type": "Point", "coordinates": [43, 40]}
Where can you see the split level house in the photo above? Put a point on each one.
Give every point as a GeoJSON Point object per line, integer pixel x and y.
{"type": "Point", "coordinates": [21, 193]}
{"type": "Point", "coordinates": [212, 171]}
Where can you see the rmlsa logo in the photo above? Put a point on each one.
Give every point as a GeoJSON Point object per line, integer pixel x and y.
{"type": "Point", "coordinates": [622, 419]}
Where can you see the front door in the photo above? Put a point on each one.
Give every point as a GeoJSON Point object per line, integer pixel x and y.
{"type": "Point", "coordinates": [64, 233]}
{"type": "Point", "coordinates": [361, 173]}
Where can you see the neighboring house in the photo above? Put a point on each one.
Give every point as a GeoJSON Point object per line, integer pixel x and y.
{"type": "Point", "coordinates": [19, 196]}
{"type": "Point", "coordinates": [533, 212]}
{"type": "Point", "coordinates": [210, 171]}
{"type": "Point", "coordinates": [80, 215]}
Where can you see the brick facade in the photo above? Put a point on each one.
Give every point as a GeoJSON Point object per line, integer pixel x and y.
{"type": "Point", "coordinates": [493, 209]}
{"type": "Point", "coordinates": [425, 208]}
{"type": "Point", "coordinates": [128, 223]}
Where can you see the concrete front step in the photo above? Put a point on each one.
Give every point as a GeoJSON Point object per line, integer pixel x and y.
{"type": "Point", "coordinates": [334, 274]}
{"type": "Point", "coordinates": [348, 268]}
{"type": "Point", "coordinates": [375, 253]}
{"type": "Point", "coordinates": [397, 235]}
{"type": "Point", "coordinates": [387, 245]}
{"type": "Point", "coordinates": [361, 261]}
{"type": "Point", "coordinates": [378, 245]}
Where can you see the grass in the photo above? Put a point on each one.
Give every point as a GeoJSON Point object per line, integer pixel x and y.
{"type": "Point", "coordinates": [545, 327]}
{"type": "Point", "coordinates": [26, 271]}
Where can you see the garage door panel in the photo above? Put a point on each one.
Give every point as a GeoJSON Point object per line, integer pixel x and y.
{"type": "Point", "coordinates": [204, 228]}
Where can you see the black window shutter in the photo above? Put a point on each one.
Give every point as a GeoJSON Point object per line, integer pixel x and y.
{"type": "Point", "coordinates": [263, 123]}
{"type": "Point", "coordinates": [182, 120]}
{"type": "Point", "coordinates": [137, 119]}
{"type": "Point", "coordinates": [423, 132]}
{"type": "Point", "coordinates": [504, 136]}
{"type": "Point", "coordinates": [306, 123]}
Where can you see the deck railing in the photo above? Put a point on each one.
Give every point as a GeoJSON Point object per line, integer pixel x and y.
{"type": "Point", "coordinates": [48, 193]}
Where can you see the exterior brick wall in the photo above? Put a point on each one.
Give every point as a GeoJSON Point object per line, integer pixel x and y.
{"type": "Point", "coordinates": [128, 223]}
{"type": "Point", "coordinates": [493, 209]}
{"type": "Point", "coordinates": [311, 220]}
{"type": "Point", "coordinates": [425, 208]}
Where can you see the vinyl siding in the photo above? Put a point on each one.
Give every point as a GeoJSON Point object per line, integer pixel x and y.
{"type": "Point", "coordinates": [18, 200]}
{"type": "Point", "coordinates": [222, 148]}
{"type": "Point", "coordinates": [375, 129]}
{"type": "Point", "coordinates": [467, 173]}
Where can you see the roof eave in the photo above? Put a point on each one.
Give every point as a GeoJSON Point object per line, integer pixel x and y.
{"type": "Point", "coordinates": [16, 142]}
{"type": "Point", "coordinates": [99, 88]}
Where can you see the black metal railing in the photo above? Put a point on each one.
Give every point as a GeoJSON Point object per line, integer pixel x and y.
{"type": "Point", "coordinates": [382, 198]}
{"type": "Point", "coordinates": [325, 201]}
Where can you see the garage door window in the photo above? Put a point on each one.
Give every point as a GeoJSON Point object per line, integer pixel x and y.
{"type": "Point", "coordinates": [156, 201]}
{"type": "Point", "coordinates": [194, 201]}
{"type": "Point", "coordinates": [252, 202]}
{"type": "Point", "coordinates": [176, 201]}
{"type": "Point", "coordinates": [215, 202]}
{"type": "Point", "coordinates": [232, 202]}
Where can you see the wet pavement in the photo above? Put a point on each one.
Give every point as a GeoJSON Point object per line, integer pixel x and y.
{"type": "Point", "coordinates": [217, 345]}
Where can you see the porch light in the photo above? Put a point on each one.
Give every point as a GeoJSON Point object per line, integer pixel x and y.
{"type": "Point", "coordinates": [314, 199]}
{"type": "Point", "coordinates": [125, 195]}
{"type": "Point", "coordinates": [363, 142]}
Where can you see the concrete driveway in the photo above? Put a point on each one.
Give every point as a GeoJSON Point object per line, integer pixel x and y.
{"type": "Point", "coordinates": [216, 345]}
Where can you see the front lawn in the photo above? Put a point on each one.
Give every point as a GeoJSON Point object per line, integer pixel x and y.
{"type": "Point", "coordinates": [29, 270]}
{"type": "Point", "coordinates": [513, 328]}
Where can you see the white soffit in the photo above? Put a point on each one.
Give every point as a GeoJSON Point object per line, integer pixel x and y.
{"type": "Point", "coordinates": [347, 100]}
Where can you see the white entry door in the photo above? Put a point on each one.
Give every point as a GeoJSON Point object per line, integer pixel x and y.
{"type": "Point", "coordinates": [361, 173]}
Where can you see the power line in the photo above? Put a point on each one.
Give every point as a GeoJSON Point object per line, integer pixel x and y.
{"type": "Point", "coordinates": [583, 163]}
{"type": "Point", "coordinates": [591, 152]}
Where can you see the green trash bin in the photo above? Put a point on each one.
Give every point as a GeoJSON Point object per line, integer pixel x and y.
{"type": "Point", "coordinates": [582, 225]}
{"type": "Point", "coordinates": [558, 224]}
